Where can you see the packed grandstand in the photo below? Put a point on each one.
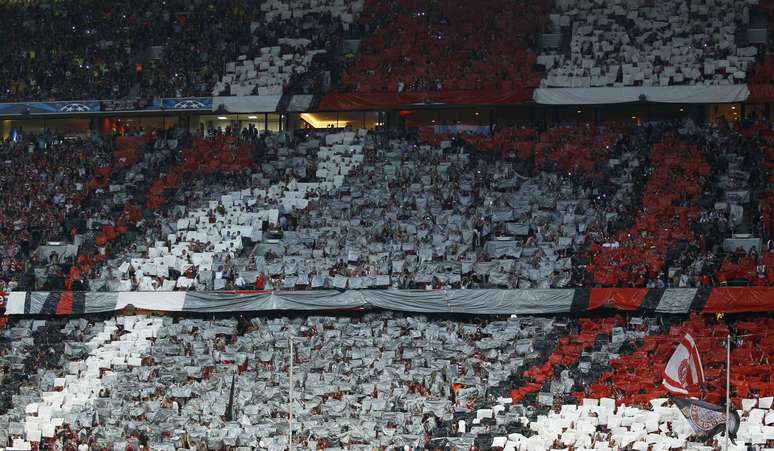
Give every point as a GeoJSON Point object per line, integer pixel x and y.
{"type": "Point", "coordinates": [591, 267]}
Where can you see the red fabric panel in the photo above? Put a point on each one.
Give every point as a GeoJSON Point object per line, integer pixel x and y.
{"type": "Point", "coordinates": [761, 93]}
{"type": "Point", "coordinates": [619, 298]}
{"type": "Point", "coordinates": [738, 300]}
{"type": "Point", "coordinates": [65, 305]}
{"type": "Point", "coordinates": [376, 100]}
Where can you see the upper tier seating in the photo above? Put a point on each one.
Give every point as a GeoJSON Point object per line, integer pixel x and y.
{"type": "Point", "coordinates": [71, 50]}
{"type": "Point", "coordinates": [422, 45]}
{"type": "Point", "coordinates": [141, 49]}
{"type": "Point", "coordinates": [291, 49]}
{"type": "Point", "coordinates": [646, 43]}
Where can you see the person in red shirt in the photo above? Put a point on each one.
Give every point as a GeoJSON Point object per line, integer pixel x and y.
{"type": "Point", "coordinates": [260, 282]}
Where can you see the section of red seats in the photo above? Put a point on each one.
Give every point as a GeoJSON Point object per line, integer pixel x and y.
{"type": "Point", "coordinates": [746, 267]}
{"type": "Point", "coordinates": [761, 76]}
{"type": "Point", "coordinates": [637, 378]}
{"type": "Point", "coordinates": [128, 151]}
{"type": "Point", "coordinates": [222, 154]}
{"type": "Point", "coordinates": [766, 205]}
{"type": "Point", "coordinates": [566, 354]}
{"type": "Point", "coordinates": [204, 157]}
{"type": "Point", "coordinates": [425, 45]}
{"type": "Point", "coordinates": [669, 207]}
{"type": "Point", "coordinates": [568, 150]}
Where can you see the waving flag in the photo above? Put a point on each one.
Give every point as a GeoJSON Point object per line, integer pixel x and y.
{"type": "Point", "coordinates": [707, 419]}
{"type": "Point", "coordinates": [683, 373]}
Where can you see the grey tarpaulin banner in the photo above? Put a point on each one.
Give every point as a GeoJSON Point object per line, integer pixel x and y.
{"type": "Point", "coordinates": [226, 302]}
{"type": "Point", "coordinates": [487, 301]}
{"type": "Point", "coordinates": [430, 301]}
{"type": "Point", "coordinates": [511, 301]}
{"type": "Point", "coordinates": [408, 300]}
{"type": "Point", "coordinates": [288, 300]}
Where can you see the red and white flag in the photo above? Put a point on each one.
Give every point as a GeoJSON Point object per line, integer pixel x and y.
{"type": "Point", "coordinates": [683, 373]}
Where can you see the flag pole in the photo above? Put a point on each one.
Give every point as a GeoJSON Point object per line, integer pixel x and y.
{"type": "Point", "coordinates": [290, 396]}
{"type": "Point", "coordinates": [728, 384]}
{"type": "Point", "coordinates": [230, 407]}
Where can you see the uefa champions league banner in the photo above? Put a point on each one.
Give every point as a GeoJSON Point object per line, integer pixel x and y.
{"type": "Point", "coordinates": [187, 103]}
{"type": "Point", "coordinates": [158, 104]}
{"type": "Point", "coordinates": [199, 104]}
{"type": "Point", "coordinates": [49, 108]}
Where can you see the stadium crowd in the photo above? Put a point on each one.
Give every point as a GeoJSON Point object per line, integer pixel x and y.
{"type": "Point", "coordinates": [43, 184]}
{"type": "Point", "coordinates": [652, 205]}
{"type": "Point", "coordinates": [129, 50]}
{"type": "Point", "coordinates": [647, 44]}
{"type": "Point", "coordinates": [326, 230]}
{"type": "Point", "coordinates": [235, 209]}
{"type": "Point", "coordinates": [126, 49]}
{"type": "Point", "coordinates": [364, 381]}
{"type": "Point", "coordinates": [430, 46]}
{"type": "Point", "coordinates": [294, 49]}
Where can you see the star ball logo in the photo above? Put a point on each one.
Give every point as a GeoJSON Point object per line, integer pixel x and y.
{"type": "Point", "coordinates": [75, 108]}
{"type": "Point", "coordinates": [190, 104]}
